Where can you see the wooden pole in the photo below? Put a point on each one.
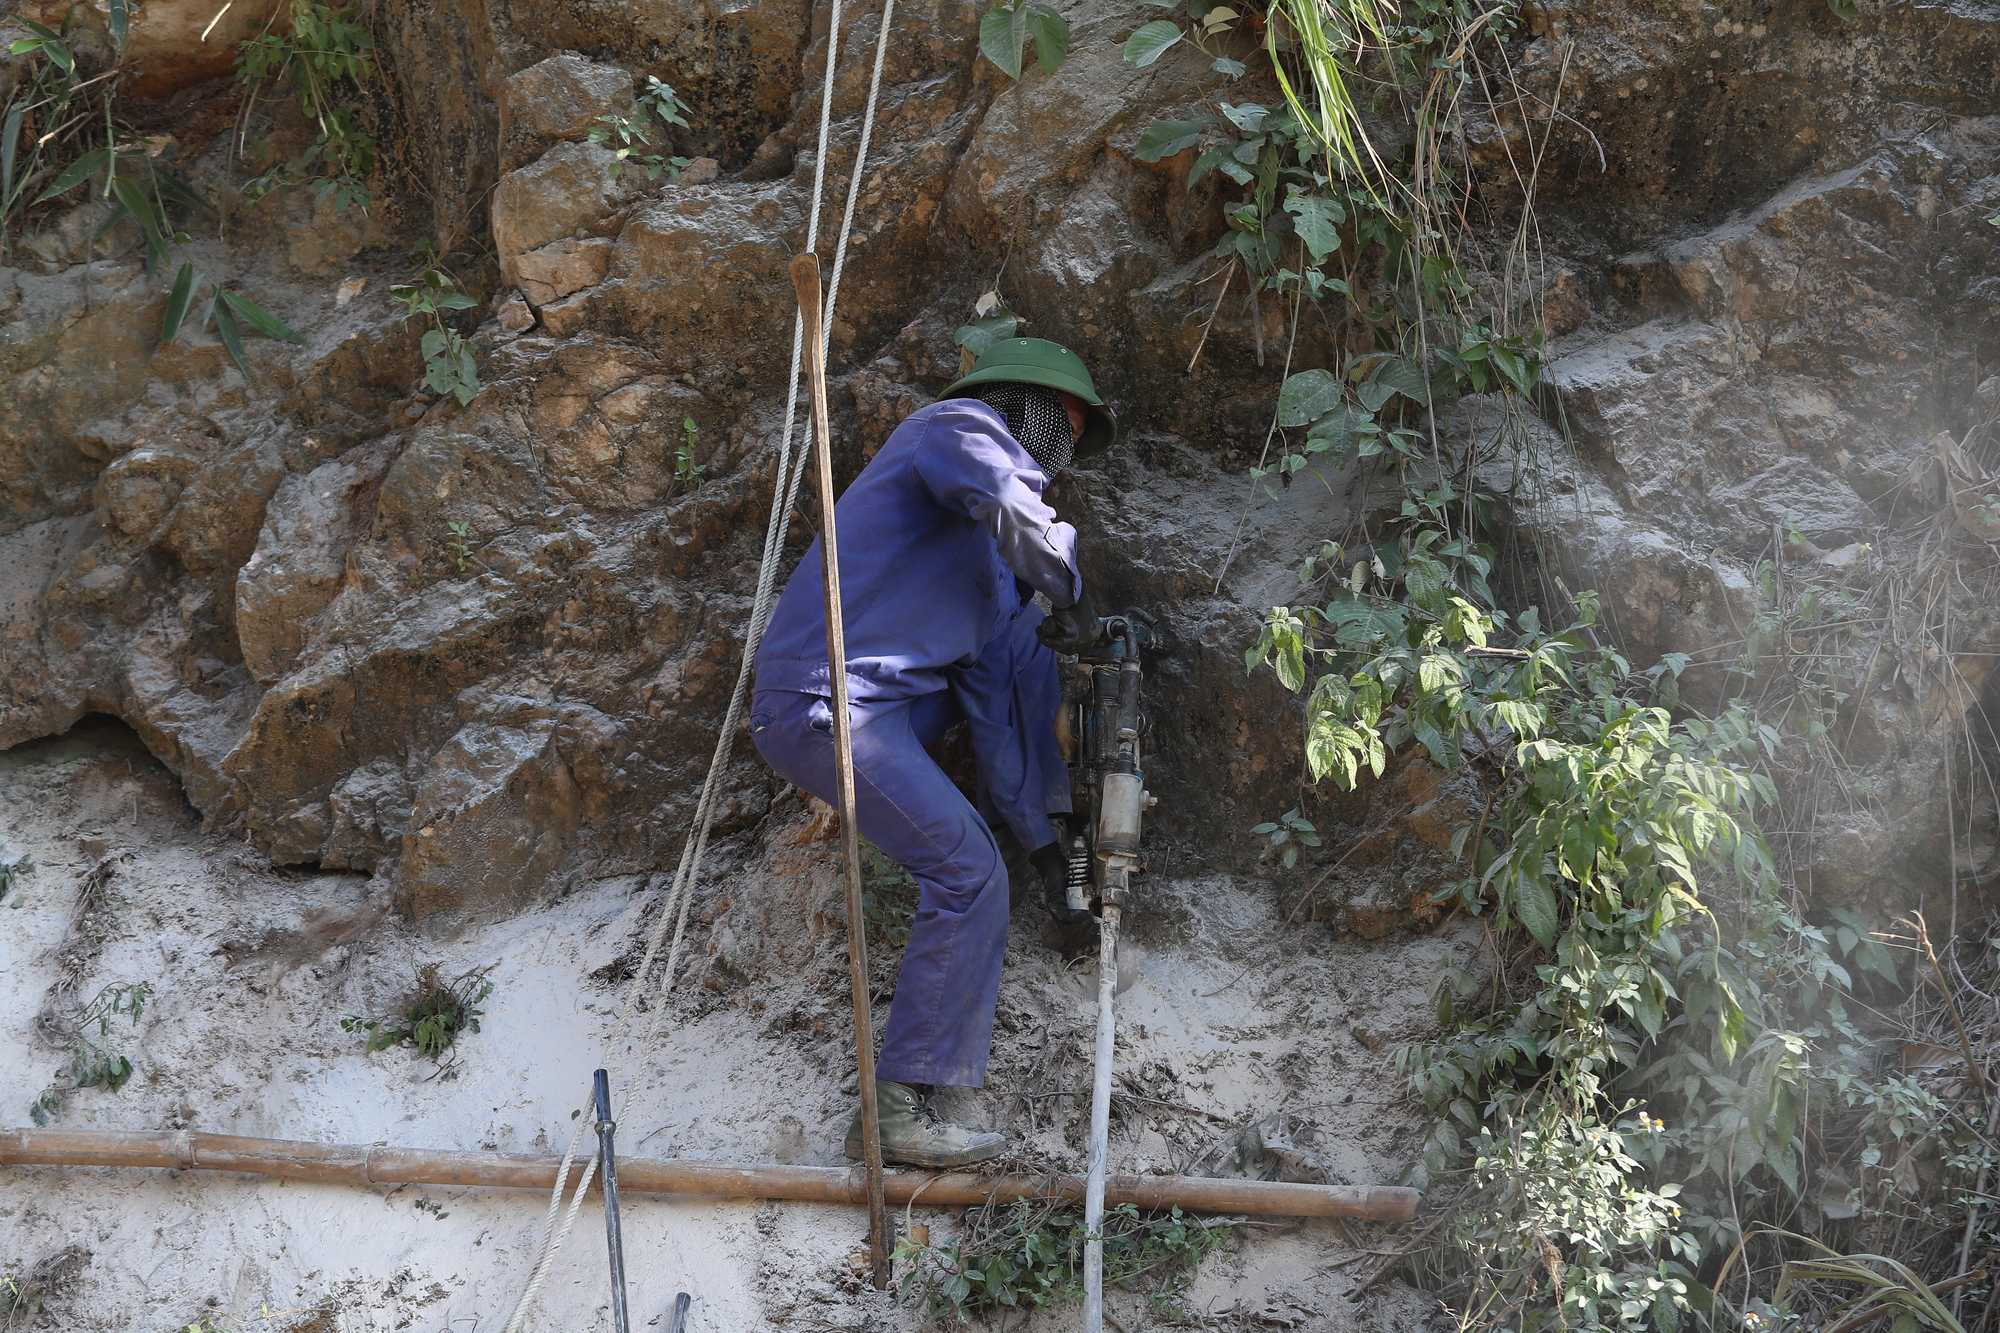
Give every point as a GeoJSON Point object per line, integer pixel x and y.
{"type": "Point", "coordinates": [805, 281]}
{"type": "Point", "coordinates": [186, 1150]}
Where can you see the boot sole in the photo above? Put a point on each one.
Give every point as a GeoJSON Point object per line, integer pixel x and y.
{"type": "Point", "coordinates": [932, 1161]}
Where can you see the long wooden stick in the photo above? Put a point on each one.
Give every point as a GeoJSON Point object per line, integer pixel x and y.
{"type": "Point", "coordinates": [340, 1164]}
{"type": "Point", "coordinates": [805, 280]}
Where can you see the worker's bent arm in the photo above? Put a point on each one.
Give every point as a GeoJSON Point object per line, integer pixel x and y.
{"type": "Point", "coordinates": [973, 467]}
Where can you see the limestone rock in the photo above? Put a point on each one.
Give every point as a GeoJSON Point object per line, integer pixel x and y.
{"type": "Point", "coordinates": [309, 526]}
{"type": "Point", "coordinates": [567, 188]}
{"type": "Point", "coordinates": [561, 267]}
{"type": "Point", "coordinates": [568, 317]}
{"type": "Point", "coordinates": [557, 99]}
{"type": "Point", "coordinates": [737, 64]}
{"type": "Point", "coordinates": [137, 492]}
{"type": "Point", "coordinates": [514, 316]}
{"type": "Point", "coordinates": [492, 816]}
{"type": "Point", "coordinates": [37, 696]}
{"type": "Point", "coordinates": [369, 809]}
{"type": "Point", "coordinates": [174, 44]}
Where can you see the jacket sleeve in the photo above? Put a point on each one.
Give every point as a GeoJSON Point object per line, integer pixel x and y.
{"type": "Point", "coordinates": [972, 466]}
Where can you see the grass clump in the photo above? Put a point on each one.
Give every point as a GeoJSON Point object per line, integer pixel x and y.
{"type": "Point", "coordinates": [1030, 1255]}
{"type": "Point", "coordinates": [437, 1013]}
{"type": "Point", "coordinates": [93, 1061]}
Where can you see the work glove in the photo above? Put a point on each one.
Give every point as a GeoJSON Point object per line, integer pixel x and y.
{"type": "Point", "coordinates": [1075, 628]}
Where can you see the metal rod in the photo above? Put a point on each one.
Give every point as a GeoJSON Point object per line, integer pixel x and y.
{"type": "Point", "coordinates": [1100, 1120]}
{"type": "Point", "coordinates": [678, 1324]}
{"type": "Point", "coordinates": [348, 1164]}
{"type": "Point", "coordinates": [614, 1236]}
{"type": "Point", "coordinates": [805, 281]}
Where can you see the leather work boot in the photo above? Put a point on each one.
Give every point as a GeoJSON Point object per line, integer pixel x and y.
{"type": "Point", "coordinates": [914, 1135]}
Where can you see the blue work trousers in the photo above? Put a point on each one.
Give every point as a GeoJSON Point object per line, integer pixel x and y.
{"type": "Point", "coordinates": [940, 1027]}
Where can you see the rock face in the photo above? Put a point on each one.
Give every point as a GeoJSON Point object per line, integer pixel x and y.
{"type": "Point", "coordinates": [482, 650]}
{"type": "Point", "coordinates": [174, 44]}
{"type": "Point", "coordinates": [559, 100]}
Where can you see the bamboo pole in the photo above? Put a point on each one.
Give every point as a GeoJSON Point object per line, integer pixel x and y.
{"type": "Point", "coordinates": [340, 1164]}
{"type": "Point", "coordinates": [805, 284]}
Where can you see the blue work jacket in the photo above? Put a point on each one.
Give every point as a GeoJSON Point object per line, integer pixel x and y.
{"type": "Point", "coordinates": [943, 538]}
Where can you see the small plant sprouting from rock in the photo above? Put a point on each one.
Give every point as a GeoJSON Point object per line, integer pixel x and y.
{"type": "Point", "coordinates": [61, 131]}
{"type": "Point", "coordinates": [991, 322]}
{"type": "Point", "coordinates": [93, 1062]}
{"type": "Point", "coordinates": [449, 366]}
{"type": "Point", "coordinates": [1206, 22]}
{"type": "Point", "coordinates": [634, 133]}
{"type": "Point", "coordinates": [431, 1206]}
{"type": "Point", "coordinates": [1008, 27]}
{"type": "Point", "coordinates": [1029, 1256]}
{"type": "Point", "coordinates": [687, 472]}
{"type": "Point", "coordinates": [1285, 835]}
{"type": "Point", "coordinates": [11, 871]}
{"type": "Point", "coordinates": [460, 542]}
{"type": "Point", "coordinates": [437, 1013]}
{"type": "Point", "coordinates": [321, 50]}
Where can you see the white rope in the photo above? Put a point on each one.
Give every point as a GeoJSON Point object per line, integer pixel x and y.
{"type": "Point", "coordinates": [785, 488]}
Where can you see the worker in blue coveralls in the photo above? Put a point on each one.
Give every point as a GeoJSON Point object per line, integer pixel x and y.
{"type": "Point", "coordinates": [944, 541]}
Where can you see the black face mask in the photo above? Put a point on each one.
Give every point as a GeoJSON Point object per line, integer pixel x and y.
{"type": "Point", "coordinates": [1037, 420]}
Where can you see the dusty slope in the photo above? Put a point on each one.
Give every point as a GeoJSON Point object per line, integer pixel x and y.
{"type": "Point", "coordinates": [249, 970]}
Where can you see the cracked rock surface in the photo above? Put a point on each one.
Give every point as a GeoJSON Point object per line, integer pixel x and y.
{"type": "Point", "coordinates": [1772, 285]}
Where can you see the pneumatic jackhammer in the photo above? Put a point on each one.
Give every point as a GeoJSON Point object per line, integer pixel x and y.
{"type": "Point", "coordinates": [1108, 784]}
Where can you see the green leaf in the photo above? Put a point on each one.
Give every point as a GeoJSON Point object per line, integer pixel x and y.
{"type": "Point", "coordinates": [1307, 396]}
{"type": "Point", "coordinates": [1224, 65]}
{"type": "Point", "coordinates": [1051, 36]}
{"type": "Point", "coordinates": [1002, 34]}
{"type": "Point", "coordinates": [174, 187]}
{"type": "Point", "coordinates": [1151, 41]}
{"type": "Point", "coordinates": [261, 320]}
{"type": "Point", "coordinates": [1393, 375]}
{"type": "Point", "coordinates": [76, 173]}
{"type": "Point", "coordinates": [177, 303]}
{"type": "Point", "coordinates": [1666, 1314]}
{"type": "Point", "coordinates": [1318, 220]}
{"type": "Point", "coordinates": [143, 212]}
{"type": "Point", "coordinates": [1169, 137]}
{"type": "Point", "coordinates": [49, 40]}
{"type": "Point", "coordinates": [1290, 664]}
{"type": "Point", "coordinates": [232, 337]}
{"type": "Point", "coordinates": [1535, 906]}
{"type": "Point", "coordinates": [121, 22]}
{"type": "Point", "coordinates": [1210, 160]}
{"type": "Point", "coordinates": [10, 142]}
{"type": "Point", "coordinates": [979, 336]}
{"type": "Point", "coordinates": [452, 369]}
{"type": "Point", "coordinates": [1340, 428]}
{"type": "Point", "coordinates": [1249, 118]}
{"type": "Point", "coordinates": [1846, 9]}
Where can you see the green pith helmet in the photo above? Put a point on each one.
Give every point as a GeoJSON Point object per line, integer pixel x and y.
{"type": "Point", "coordinates": [1053, 366]}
